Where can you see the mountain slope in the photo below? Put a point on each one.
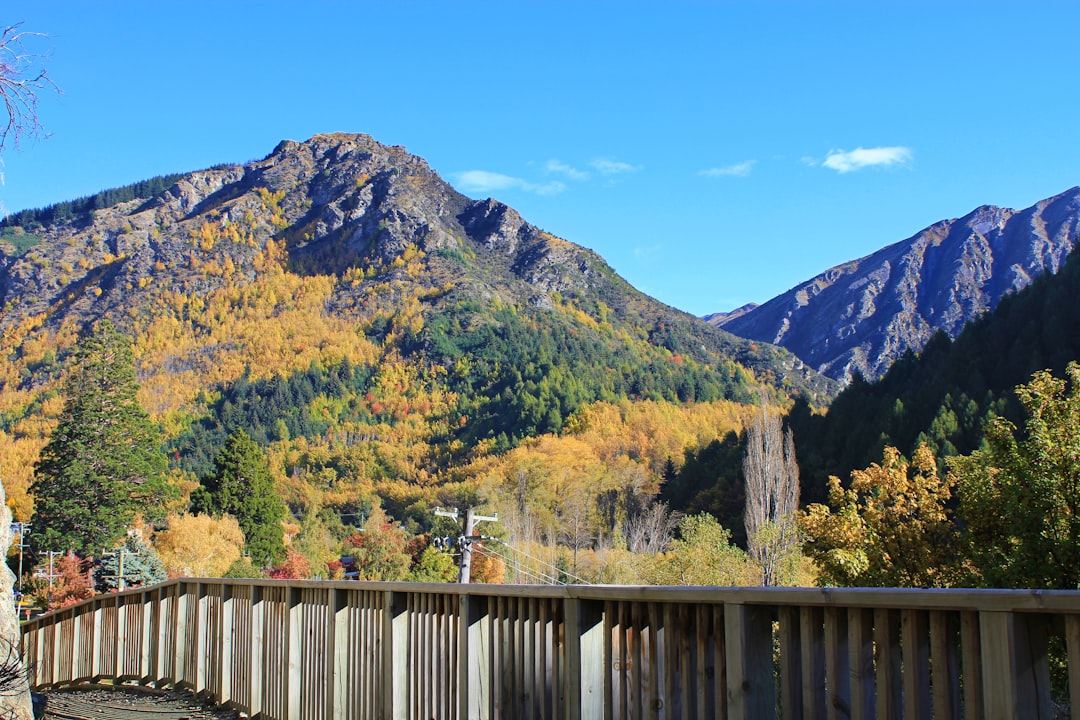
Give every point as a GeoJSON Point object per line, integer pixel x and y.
{"type": "Point", "coordinates": [863, 315]}
{"type": "Point", "coordinates": [944, 395]}
{"type": "Point", "coordinates": [338, 293]}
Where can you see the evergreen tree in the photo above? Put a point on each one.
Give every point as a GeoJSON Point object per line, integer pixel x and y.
{"type": "Point", "coordinates": [104, 461]}
{"type": "Point", "coordinates": [140, 566]}
{"type": "Point", "coordinates": [243, 487]}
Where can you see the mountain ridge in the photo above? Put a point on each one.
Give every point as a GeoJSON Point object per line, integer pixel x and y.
{"type": "Point", "coordinates": [862, 315]}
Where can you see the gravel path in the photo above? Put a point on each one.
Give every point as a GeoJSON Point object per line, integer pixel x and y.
{"type": "Point", "coordinates": [98, 702]}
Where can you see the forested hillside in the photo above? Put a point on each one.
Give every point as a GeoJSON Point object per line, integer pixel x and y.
{"type": "Point", "coordinates": [944, 395]}
{"type": "Point", "coordinates": [388, 343]}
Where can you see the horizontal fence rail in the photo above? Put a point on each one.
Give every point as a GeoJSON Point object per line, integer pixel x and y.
{"type": "Point", "coordinates": [309, 650]}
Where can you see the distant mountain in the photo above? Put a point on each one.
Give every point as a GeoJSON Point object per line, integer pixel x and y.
{"type": "Point", "coordinates": [343, 267]}
{"type": "Point", "coordinates": [863, 315]}
{"type": "Point", "coordinates": [944, 395]}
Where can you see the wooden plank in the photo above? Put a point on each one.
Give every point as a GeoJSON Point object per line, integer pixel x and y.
{"type": "Point", "coordinates": [837, 670]}
{"type": "Point", "coordinates": [1072, 649]}
{"type": "Point", "coordinates": [1015, 665]}
{"type": "Point", "coordinates": [703, 630]}
{"type": "Point", "coordinates": [887, 663]}
{"type": "Point", "coordinates": [719, 660]}
{"type": "Point", "coordinates": [861, 663]}
{"type": "Point", "coordinates": [637, 660]}
{"type": "Point", "coordinates": [751, 688]}
{"type": "Point", "coordinates": [915, 640]}
{"type": "Point", "coordinates": [944, 677]}
{"type": "Point", "coordinates": [812, 630]}
{"type": "Point", "coordinates": [791, 680]}
{"type": "Point", "coordinates": [971, 665]}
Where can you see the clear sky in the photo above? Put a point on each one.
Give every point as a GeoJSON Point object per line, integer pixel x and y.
{"type": "Point", "coordinates": [714, 153]}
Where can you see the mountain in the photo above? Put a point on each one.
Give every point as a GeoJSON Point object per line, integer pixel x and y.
{"type": "Point", "coordinates": [944, 395]}
{"type": "Point", "coordinates": [863, 315]}
{"type": "Point", "coordinates": [338, 292]}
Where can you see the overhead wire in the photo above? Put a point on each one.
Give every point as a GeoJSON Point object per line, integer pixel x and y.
{"type": "Point", "coordinates": [557, 570]}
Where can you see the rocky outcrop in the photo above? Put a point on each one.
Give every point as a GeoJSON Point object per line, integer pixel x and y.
{"type": "Point", "coordinates": [863, 315]}
{"type": "Point", "coordinates": [14, 692]}
{"type": "Point", "coordinates": [338, 205]}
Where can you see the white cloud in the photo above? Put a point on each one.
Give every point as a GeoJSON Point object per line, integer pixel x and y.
{"type": "Point", "coordinates": [483, 181]}
{"type": "Point", "coordinates": [557, 166]}
{"type": "Point", "coordinates": [737, 170]}
{"type": "Point", "coordinates": [613, 167]}
{"type": "Point", "coordinates": [859, 158]}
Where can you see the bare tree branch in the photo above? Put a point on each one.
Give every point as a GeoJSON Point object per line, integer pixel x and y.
{"type": "Point", "coordinates": [22, 76]}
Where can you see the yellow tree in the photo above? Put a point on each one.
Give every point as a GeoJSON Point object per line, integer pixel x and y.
{"type": "Point", "coordinates": [199, 545]}
{"type": "Point", "coordinates": [891, 528]}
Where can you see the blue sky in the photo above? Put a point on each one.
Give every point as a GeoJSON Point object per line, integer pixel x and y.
{"type": "Point", "coordinates": [714, 153]}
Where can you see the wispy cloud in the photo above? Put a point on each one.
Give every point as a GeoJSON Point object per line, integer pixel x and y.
{"type": "Point", "coordinates": [484, 181]}
{"type": "Point", "coordinates": [612, 167]}
{"type": "Point", "coordinates": [558, 166]}
{"type": "Point", "coordinates": [849, 161]}
{"type": "Point", "coordinates": [737, 170]}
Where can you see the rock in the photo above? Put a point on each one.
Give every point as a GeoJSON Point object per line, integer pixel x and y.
{"type": "Point", "coordinates": [14, 691]}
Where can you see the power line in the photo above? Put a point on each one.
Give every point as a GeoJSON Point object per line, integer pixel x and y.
{"type": "Point", "coordinates": [559, 571]}
{"type": "Point", "coordinates": [542, 577]}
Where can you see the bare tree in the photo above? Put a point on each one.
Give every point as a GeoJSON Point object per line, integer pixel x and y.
{"type": "Point", "coordinates": [650, 529]}
{"type": "Point", "coordinates": [772, 494]}
{"type": "Point", "coordinates": [22, 76]}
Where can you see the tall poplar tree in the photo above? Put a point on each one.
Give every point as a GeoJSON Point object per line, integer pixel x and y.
{"type": "Point", "coordinates": [242, 486]}
{"type": "Point", "coordinates": [104, 461]}
{"type": "Point", "coordinates": [772, 497]}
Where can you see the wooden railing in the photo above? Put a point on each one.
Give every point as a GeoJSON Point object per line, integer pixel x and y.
{"type": "Point", "coordinates": [320, 650]}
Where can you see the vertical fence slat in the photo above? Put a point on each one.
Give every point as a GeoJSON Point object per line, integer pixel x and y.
{"type": "Point", "coordinates": [887, 663]}
{"type": "Point", "coordinates": [861, 663]}
{"type": "Point", "coordinates": [837, 670]}
{"type": "Point", "coordinates": [751, 692]}
{"type": "Point", "coordinates": [791, 680]}
{"type": "Point", "coordinates": [915, 645]}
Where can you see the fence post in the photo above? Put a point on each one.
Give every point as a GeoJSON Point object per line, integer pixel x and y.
{"type": "Point", "coordinates": [585, 662]}
{"type": "Point", "coordinates": [1016, 670]}
{"type": "Point", "coordinates": [751, 683]}
{"type": "Point", "coordinates": [395, 663]}
{"type": "Point", "coordinates": [256, 650]}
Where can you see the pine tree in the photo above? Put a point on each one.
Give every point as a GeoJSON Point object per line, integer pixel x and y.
{"type": "Point", "coordinates": [104, 460]}
{"type": "Point", "coordinates": [243, 487]}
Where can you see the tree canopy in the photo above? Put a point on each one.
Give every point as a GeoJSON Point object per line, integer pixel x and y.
{"type": "Point", "coordinates": [1020, 498]}
{"type": "Point", "coordinates": [243, 486]}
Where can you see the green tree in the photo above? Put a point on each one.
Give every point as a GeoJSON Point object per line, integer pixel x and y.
{"type": "Point", "coordinates": [242, 486]}
{"type": "Point", "coordinates": [103, 463]}
{"type": "Point", "coordinates": [1020, 498]}
{"type": "Point", "coordinates": [434, 566]}
{"type": "Point", "coordinates": [703, 555]}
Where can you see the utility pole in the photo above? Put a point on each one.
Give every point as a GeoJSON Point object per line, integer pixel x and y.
{"type": "Point", "coordinates": [120, 578]}
{"type": "Point", "coordinates": [51, 574]}
{"type": "Point", "coordinates": [22, 529]}
{"type": "Point", "coordinates": [468, 537]}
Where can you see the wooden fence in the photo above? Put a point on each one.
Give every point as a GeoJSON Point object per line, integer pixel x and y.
{"type": "Point", "coordinates": [308, 650]}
